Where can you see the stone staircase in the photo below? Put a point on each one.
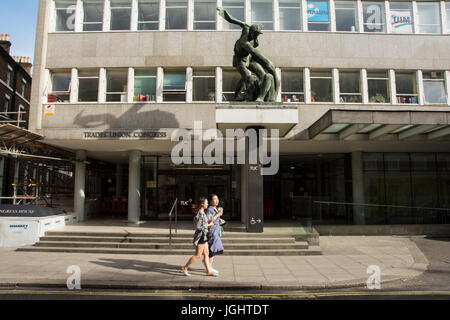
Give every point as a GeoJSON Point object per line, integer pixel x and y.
{"type": "Point", "coordinates": [237, 244]}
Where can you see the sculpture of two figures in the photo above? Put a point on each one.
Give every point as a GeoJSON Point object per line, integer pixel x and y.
{"type": "Point", "coordinates": [259, 81]}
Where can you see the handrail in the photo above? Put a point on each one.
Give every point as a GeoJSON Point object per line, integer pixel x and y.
{"type": "Point", "coordinates": [170, 221]}
{"type": "Point", "coordinates": [379, 205]}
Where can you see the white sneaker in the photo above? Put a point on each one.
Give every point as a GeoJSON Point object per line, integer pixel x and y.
{"type": "Point", "coordinates": [213, 274]}
{"type": "Point", "coordinates": [214, 270]}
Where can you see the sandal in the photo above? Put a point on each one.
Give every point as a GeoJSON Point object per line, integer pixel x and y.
{"type": "Point", "coordinates": [185, 272]}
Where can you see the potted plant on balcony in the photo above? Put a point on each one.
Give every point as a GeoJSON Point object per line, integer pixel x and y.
{"type": "Point", "coordinates": [378, 98]}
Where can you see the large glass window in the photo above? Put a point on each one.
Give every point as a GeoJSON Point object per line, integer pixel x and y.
{"type": "Point", "coordinates": [230, 80]}
{"type": "Point", "coordinates": [350, 87]}
{"type": "Point", "coordinates": [290, 15]}
{"type": "Point", "coordinates": [346, 16]}
{"type": "Point", "coordinates": [60, 87]}
{"type": "Point", "coordinates": [205, 14]}
{"type": "Point", "coordinates": [292, 86]}
{"type": "Point", "coordinates": [9, 76]}
{"type": "Point", "coordinates": [262, 13]}
{"type": "Point", "coordinates": [174, 86]}
{"type": "Point", "coordinates": [429, 17]}
{"type": "Point", "coordinates": [65, 15]}
{"type": "Point", "coordinates": [148, 17]}
{"type": "Point", "coordinates": [236, 8]}
{"type": "Point", "coordinates": [434, 87]}
{"type": "Point", "coordinates": [321, 86]}
{"type": "Point", "coordinates": [93, 15]}
{"type": "Point", "coordinates": [401, 17]}
{"type": "Point", "coordinates": [374, 17]}
{"type": "Point", "coordinates": [204, 85]}
{"type": "Point", "coordinates": [176, 14]}
{"type": "Point", "coordinates": [88, 86]}
{"type": "Point", "coordinates": [144, 85]}
{"type": "Point", "coordinates": [116, 85]}
{"type": "Point", "coordinates": [318, 16]}
{"type": "Point", "coordinates": [6, 104]}
{"type": "Point", "coordinates": [378, 83]}
{"type": "Point", "coordinates": [406, 87]}
{"type": "Point", "coordinates": [120, 15]}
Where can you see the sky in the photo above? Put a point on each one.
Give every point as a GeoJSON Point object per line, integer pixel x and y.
{"type": "Point", "coordinates": [18, 19]}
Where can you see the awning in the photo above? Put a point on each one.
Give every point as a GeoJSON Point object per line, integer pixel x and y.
{"type": "Point", "coordinates": [380, 125]}
{"type": "Point", "coordinates": [18, 136]}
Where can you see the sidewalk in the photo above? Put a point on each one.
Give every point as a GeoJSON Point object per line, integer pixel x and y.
{"type": "Point", "coordinates": [343, 264]}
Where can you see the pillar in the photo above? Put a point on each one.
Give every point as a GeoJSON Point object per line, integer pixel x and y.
{"type": "Point", "coordinates": [134, 187]}
{"type": "Point", "coordinates": [119, 184]}
{"type": "Point", "coordinates": [358, 187]}
{"type": "Point", "coordinates": [80, 185]}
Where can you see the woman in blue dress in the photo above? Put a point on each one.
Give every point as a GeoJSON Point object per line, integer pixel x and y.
{"type": "Point", "coordinates": [215, 242]}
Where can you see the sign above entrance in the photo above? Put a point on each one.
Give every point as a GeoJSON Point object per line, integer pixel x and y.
{"type": "Point", "coordinates": [124, 134]}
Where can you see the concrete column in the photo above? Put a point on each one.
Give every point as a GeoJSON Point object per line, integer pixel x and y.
{"type": "Point", "coordinates": [134, 15]}
{"type": "Point", "coordinates": [420, 88]}
{"type": "Point", "coordinates": [107, 16]}
{"type": "Point", "coordinates": [307, 85]}
{"type": "Point", "coordinates": [304, 18]}
{"type": "Point", "coordinates": [364, 86]}
{"type": "Point", "coordinates": [358, 187]}
{"type": "Point", "coordinates": [248, 11]}
{"type": "Point", "coordinates": [332, 16]}
{"type": "Point", "coordinates": [447, 86]}
{"type": "Point", "coordinates": [276, 15]}
{"type": "Point", "coordinates": [190, 15]}
{"type": "Point", "coordinates": [2, 174]}
{"type": "Point", "coordinates": [189, 85]}
{"type": "Point", "coordinates": [244, 193]}
{"type": "Point", "coordinates": [102, 86]}
{"type": "Point", "coordinates": [79, 16]}
{"type": "Point", "coordinates": [387, 9]}
{"type": "Point", "coordinates": [119, 183]}
{"type": "Point", "coordinates": [278, 71]}
{"type": "Point", "coordinates": [219, 83]}
{"type": "Point", "coordinates": [162, 15]}
{"type": "Point", "coordinates": [219, 21]}
{"type": "Point", "coordinates": [415, 17]}
{"type": "Point", "coordinates": [74, 86]}
{"type": "Point", "coordinates": [443, 14]}
{"type": "Point", "coordinates": [336, 89]}
{"type": "Point", "coordinates": [80, 185]}
{"type": "Point", "coordinates": [392, 86]}
{"type": "Point", "coordinates": [16, 178]}
{"type": "Point", "coordinates": [130, 86]}
{"type": "Point", "coordinates": [360, 16]}
{"type": "Point", "coordinates": [159, 84]}
{"type": "Point", "coordinates": [134, 187]}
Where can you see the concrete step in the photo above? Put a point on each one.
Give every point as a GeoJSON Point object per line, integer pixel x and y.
{"type": "Point", "coordinates": [166, 246]}
{"type": "Point", "coordinates": [184, 252]}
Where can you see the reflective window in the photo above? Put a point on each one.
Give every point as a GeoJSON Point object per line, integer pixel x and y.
{"type": "Point", "coordinates": [65, 15]}
{"type": "Point", "coordinates": [148, 16]}
{"type": "Point", "coordinates": [6, 104]}
{"type": "Point", "coordinates": [401, 17]}
{"type": "Point", "coordinates": [174, 86]}
{"type": "Point", "coordinates": [9, 76]}
{"type": "Point", "coordinates": [88, 86]}
{"type": "Point", "coordinates": [434, 87]}
{"type": "Point", "coordinates": [120, 15]}
{"type": "Point", "coordinates": [378, 83]}
{"type": "Point", "coordinates": [350, 87]}
{"type": "Point", "coordinates": [230, 81]}
{"type": "Point", "coordinates": [176, 14]}
{"type": "Point", "coordinates": [292, 86]}
{"type": "Point", "coordinates": [93, 15]}
{"type": "Point", "coordinates": [60, 88]}
{"type": "Point", "coordinates": [321, 86]}
{"type": "Point", "coordinates": [116, 85]}
{"type": "Point", "coordinates": [204, 85]}
{"type": "Point", "coordinates": [346, 16]}
{"type": "Point", "coordinates": [205, 14]}
{"type": "Point", "coordinates": [318, 16]}
{"type": "Point", "coordinates": [374, 17]}
{"type": "Point", "coordinates": [236, 8]}
{"type": "Point", "coordinates": [429, 17]}
{"type": "Point", "coordinates": [290, 15]}
{"type": "Point", "coordinates": [144, 85]}
{"type": "Point", "coordinates": [262, 13]}
{"type": "Point", "coordinates": [406, 87]}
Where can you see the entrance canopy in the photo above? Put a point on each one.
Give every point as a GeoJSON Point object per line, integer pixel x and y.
{"type": "Point", "coordinates": [381, 125]}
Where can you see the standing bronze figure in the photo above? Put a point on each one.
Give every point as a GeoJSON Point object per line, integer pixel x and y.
{"type": "Point", "coordinates": [259, 81]}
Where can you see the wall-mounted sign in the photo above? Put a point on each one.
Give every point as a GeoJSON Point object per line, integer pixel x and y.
{"type": "Point", "coordinates": [318, 11]}
{"type": "Point", "coordinates": [401, 21]}
{"type": "Point", "coordinates": [123, 134]}
{"type": "Point", "coordinates": [49, 110]}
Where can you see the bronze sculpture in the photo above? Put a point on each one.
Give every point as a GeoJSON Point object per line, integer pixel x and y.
{"type": "Point", "coordinates": [259, 81]}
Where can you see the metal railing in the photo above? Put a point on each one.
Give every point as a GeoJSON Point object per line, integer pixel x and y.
{"type": "Point", "coordinates": [170, 221]}
{"type": "Point", "coordinates": [5, 117]}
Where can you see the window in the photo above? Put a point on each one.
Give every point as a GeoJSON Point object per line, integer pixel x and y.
{"type": "Point", "coordinates": [429, 17]}
{"type": "Point", "coordinates": [321, 86]}
{"type": "Point", "coordinates": [174, 86]}
{"type": "Point", "coordinates": [20, 116]}
{"type": "Point", "coordinates": [60, 88]}
{"type": "Point", "coordinates": [88, 86]}
{"type": "Point", "coordinates": [24, 85]}
{"type": "Point", "coordinates": [350, 87]}
{"type": "Point", "coordinates": [144, 85]}
{"type": "Point", "coordinates": [292, 86]}
{"type": "Point", "coordinates": [6, 104]}
{"type": "Point", "coordinates": [204, 85]}
{"type": "Point", "coordinates": [262, 13]}
{"type": "Point", "coordinates": [378, 83]}
{"type": "Point", "coordinates": [9, 76]}
{"type": "Point", "coordinates": [116, 85]}
{"type": "Point", "coordinates": [290, 15]}
{"type": "Point", "coordinates": [205, 14]}
{"type": "Point", "coordinates": [93, 16]}
{"type": "Point", "coordinates": [176, 14]}
{"type": "Point", "coordinates": [401, 17]}
{"type": "Point", "coordinates": [447, 8]}
{"type": "Point", "coordinates": [374, 17]}
{"type": "Point", "coordinates": [65, 15]}
{"type": "Point", "coordinates": [148, 18]}
{"type": "Point", "coordinates": [236, 8]}
{"type": "Point", "coordinates": [434, 88]}
{"type": "Point", "coordinates": [120, 15]}
{"type": "Point", "coordinates": [318, 16]}
{"type": "Point", "coordinates": [346, 17]}
{"type": "Point", "coordinates": [230, 79]}
{"type": "Point", "coordinates": [406, 87]}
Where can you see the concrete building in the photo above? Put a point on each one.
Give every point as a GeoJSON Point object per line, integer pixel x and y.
{"type": "Point", "coordinates": [363, 110]}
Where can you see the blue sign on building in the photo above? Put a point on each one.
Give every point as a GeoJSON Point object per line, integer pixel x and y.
{"type": "Point", "coordinates": [318, 11]}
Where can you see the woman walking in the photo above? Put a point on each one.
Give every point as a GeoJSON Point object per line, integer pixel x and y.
{"type": "Point", "coordinates": [215, 242]}
{"type": "Point", "coordinates": [200, 239]}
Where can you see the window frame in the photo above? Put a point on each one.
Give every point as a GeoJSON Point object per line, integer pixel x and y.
{"type": "Point", "coordinates": [140, 23]}
{"type": "Point", "coordinates": [112, 8]}
{"type": "Point", "coordinates": [388, 89]}
{"type": "Point", "coordinates": [355, 9]}
{"type": "Point", "coordinates": [301, 94]}
{"type": "Point", "coordinates": [194, 77]}
{"type": "Point", "coordinates": [299, 8]}
{"type": "Point", "coordinates": [319, 22]}
{"type": "Point", "coordinates": [399, 95]}
{"type": "Point", "coordinates": [365, 4]}
{"type": "Point", "coordinates": [61, 93]}
{"type": "Point", "coordinates": [438, 24]}
{"type": "Point", "coordinates": [123, 94]}
{"type": "Point", "coordinates": [263, 22]}
{"type": "Point", "coordinates": [135, 97]}
{"type": "Point", "coordinates": [73, 4]}
{"type": "Point", "coordinates": [186, 6]}
{"type": "Point", "coordinates": [350, 94]}
{"type": "Point", "coordinates": [84, 23]}
{"type": "Point", "coordinates": [204, 21]}
{"type": "Point", "coordinates": [441, 80]}
{"type": "Point", "coordinates": [87, 78]}
{"type": "Point", "coordinates": [175, 91]}
{"type": "Point", "coordinates": [233, 27]}
{"type": "Point", "coordinates": [410, 10]}
{"type": "Point", "coordinates": [330, 78]}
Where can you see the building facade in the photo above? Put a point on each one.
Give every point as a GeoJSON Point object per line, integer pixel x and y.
{"type": "Point", "coordinates": [363, 111]}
